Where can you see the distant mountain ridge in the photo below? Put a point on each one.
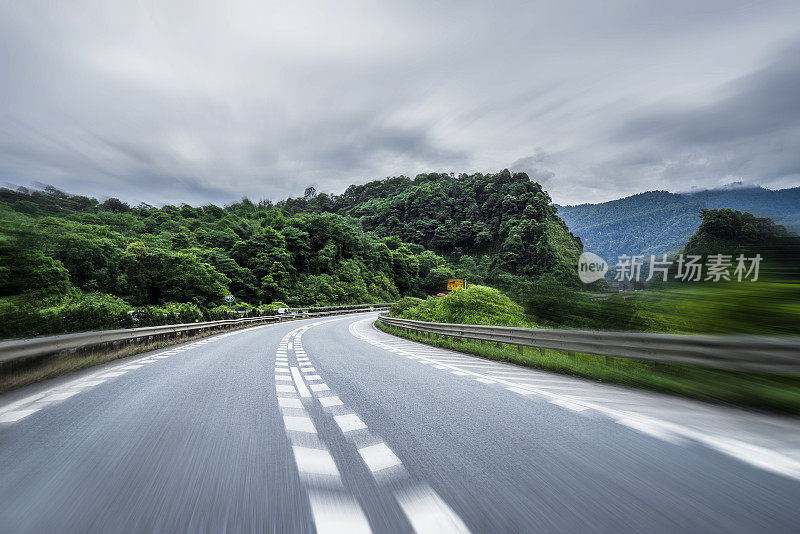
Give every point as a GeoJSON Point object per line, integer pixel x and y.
{"type": "Point", "coordinates": [658, 222]}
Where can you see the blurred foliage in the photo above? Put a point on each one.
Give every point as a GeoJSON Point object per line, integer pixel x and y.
{"type": "Point", "coordinates": [770, 305]}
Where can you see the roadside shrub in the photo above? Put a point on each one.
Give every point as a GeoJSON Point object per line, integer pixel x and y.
{"type": "Point", "coordinates": [475, 305]}
{"type": "Point", "coordinates": [404, 304]}
{"type": "Point", "coordinates": [184, 312]}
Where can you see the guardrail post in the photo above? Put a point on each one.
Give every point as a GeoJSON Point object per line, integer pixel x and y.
{"type": "Point", "coordinates": [519, 349]}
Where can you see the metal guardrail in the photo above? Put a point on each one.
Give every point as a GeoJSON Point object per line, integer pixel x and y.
{"type": "Point", "coordinates": [734, 353]}
{"type": "Point", "coordinates": [15, 351]}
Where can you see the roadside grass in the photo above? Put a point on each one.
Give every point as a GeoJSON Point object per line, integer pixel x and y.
{"type": "Point", "coordinates": [13, 376]}
{"type": "Point", "coordinates": [765, 392]}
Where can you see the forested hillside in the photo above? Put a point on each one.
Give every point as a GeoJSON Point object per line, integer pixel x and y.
{"type": "Point", "coordinates": [70, 262]}
{"type": "Point", "coordinates": [658, 222]}
{"type": "Point", "coordinates": [492, 227]}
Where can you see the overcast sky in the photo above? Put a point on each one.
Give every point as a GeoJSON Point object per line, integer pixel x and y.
{"type": "Point", "coordinates": [204, 101]}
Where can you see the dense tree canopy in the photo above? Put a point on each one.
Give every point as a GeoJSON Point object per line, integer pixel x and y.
{"type": "Point", "coordinates": [61, 251]}
{"type": "Point", "coordinates": [68, 255]}
{"type": "Point", "coordinates": [503, 224]}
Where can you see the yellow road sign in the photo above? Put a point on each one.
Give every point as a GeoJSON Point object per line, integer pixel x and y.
{"type": "Point", "coordinates": [456, 284]}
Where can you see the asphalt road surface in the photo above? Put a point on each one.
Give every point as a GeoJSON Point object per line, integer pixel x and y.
{"type": "Point", "coordinates": [331, 425]}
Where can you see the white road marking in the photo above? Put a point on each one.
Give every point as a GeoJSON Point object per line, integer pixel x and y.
{"type": "Point", "coordinates": [88, 383]}
{"type": "Point", "coordinates": [11, 417]}
{"type": "Point", "coordinates": [337, 515]}
{"type": "Point", "coordinates": [349, 422]}
{"type": "Point", "coordinates": [521, 391]}
{"type": "Point", "coordinates": [440, 367]}
{"type": "Point", "coordinates": [378, 457]}
{"type": "Point", "coordinates": [459, 373]}
{"type": "Point", "coordinates": [290, 346]}
{"type": "Point", "coordinates": [285, 388]}
{"type": "Point", "coordinates": [112, 374]}
{"type": "Point", "coordinates": [281, 364]}
{"type": "Point", "coordinates": [320, 387]}
{"type": "Point", "coordinates": [486, 380]}
{"type": "Point", "coordinates": [575, 407]}
{"type": "Point", "coordinates": [428, 513]}
{"type": "Point", "coordinates": [61, 395]}
{"type": "Point", "coordinates": [333, 400]}
{"type": "Point", "coordinates": [131, 367]}
{"type": "Point", "coordinates": [299, 424]}
{"type": "Point", "coordinates": [651, 428]}
{"type": "Point", "coordinates": [283, 378]}
{"type": "Point", "coordinates": [308, 370]}
{"type": "Point", "coordinates": [298, 381]}
{"type": "Point", "coordinates": [289, 402]}
{"type": "Point", "coordinates": [313, 377]}
{"type": "Point", "coordinates": [314, 461]}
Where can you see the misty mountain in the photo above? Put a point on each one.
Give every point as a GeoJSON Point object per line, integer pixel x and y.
{"type": "Point", "coordinates": [657, 222]}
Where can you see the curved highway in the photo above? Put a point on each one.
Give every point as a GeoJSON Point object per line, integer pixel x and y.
{"type": "Point", "coordinates": [331, 425]}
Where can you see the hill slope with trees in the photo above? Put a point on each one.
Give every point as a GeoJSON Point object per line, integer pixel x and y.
{"type": "Point", "coordinates": [492, 227]}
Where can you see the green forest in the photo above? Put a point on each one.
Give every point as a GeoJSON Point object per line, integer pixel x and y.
{"type": "Point", "coordinates": [490, 227]}
{"type": "Point", "coordinates": [69, 262]}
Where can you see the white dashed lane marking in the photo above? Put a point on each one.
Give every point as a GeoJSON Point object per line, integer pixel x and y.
{"type": "Point", "coordinates": [289, 402]}
{"type": "Point", "coordinates": [299, 424]}
{"type": "Point", "coordinates": [336, 514]}
{"type": "Point", "coordinates": [314, 461]}
{"type": "Point", "coordinates": [349, 422]}
{"type": "Point", "coordinates": [301, 385]}
{"type": "Point", "coordinates": [379, 457]}
{"type": "Point", "coordinates": [327, 402]}
{"type": "Point", "coordinates": [333, 508]}
{"type": "Point", "coordinates": [428, 513]}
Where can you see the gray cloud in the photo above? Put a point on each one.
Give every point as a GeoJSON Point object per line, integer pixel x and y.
{"type": "Point", "coordinates": [186, 102]}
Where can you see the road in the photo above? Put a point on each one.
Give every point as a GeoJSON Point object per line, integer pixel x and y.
{"type": "Point", "coordinates": [331, 425]}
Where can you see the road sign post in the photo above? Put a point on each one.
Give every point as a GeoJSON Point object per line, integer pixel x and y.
{"type": "Point", "coordinates": [456, 284]}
